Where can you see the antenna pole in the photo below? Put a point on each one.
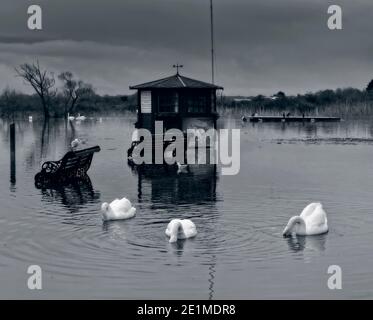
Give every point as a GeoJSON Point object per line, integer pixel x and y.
{"type": "Point", "coordinates": [178, 66]}
{"type": "Point", "coordinates": [212, 44]}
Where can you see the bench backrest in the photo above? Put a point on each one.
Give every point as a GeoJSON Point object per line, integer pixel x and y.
{"type": "Point", "coordinates": [75, 160]}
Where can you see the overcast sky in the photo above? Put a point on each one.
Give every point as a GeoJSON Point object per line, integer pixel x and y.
{"type": "Point", "coordinates": [262, 46]}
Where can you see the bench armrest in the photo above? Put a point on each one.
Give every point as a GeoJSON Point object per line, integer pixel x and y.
{"type": "Point", "coordinates": [50, 166]}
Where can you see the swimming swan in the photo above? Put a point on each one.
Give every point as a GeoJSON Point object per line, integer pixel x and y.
{"type": "Point", "coordinates": [312, 221]}
{"type": "Point", "coordinates": [75, 143]}
{"type": "Point", "coordinates": [117, 210]}
{"type": "Point", "coordinates": [181, 229]}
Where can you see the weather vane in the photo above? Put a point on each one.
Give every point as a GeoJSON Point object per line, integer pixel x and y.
{"type": "Point", "coordinates": [178, 66]}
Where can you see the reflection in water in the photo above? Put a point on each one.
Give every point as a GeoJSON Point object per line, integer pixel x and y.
{"type": "Point", "coordinates": [72, 194]}
{"type": "Point", "coordinates": [307, 244]}
{"type": "Point", "coordinates": [212, 272]}
{"type": "Point", "coordinates": [179, 246]}
{"type": "Point", "coordinates": [162, 184]}
{"type": "Point", "coordinates": [12, 156]}
{"type": "Point", "coordinates": [48, 138]}
{"type": "Point", "coordinates": [301, 129]}
{"type": "Point", "coordinates": [117, 229]}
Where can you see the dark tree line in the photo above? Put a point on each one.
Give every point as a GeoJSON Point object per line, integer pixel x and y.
{"type": "Point", "coordinates": [306, 103]}
{"type": "Point", "coordinates": [74, 93]}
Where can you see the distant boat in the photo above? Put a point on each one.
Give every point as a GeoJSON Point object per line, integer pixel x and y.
{"type": "Point", "coordinates": [284, 118]}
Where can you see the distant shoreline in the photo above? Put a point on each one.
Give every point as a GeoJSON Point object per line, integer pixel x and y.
{"type": "Point", "coordinates": [344, 103]}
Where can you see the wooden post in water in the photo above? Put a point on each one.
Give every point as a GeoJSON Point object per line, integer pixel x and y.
{"type": "Point", "coordinates": [12, 153]}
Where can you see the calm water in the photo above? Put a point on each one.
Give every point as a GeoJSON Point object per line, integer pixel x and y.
{"type": "Point", "coordinates": [239, 251]}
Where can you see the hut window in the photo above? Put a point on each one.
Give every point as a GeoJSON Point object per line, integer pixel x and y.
{"type": "Point", "coordinates": [168, 102]}
{"type": "Point", "coordinates": [213, 101]}
{"type": "Point", "coordinates": [196, 103]}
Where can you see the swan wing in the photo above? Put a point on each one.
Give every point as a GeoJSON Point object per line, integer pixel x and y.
{"type": "Point", "coordinates": [131, 213]}
{"type": "Point", "coordinates": [317, 223]}
{"type": "Point", "coordinates": [308, 211]}
{"type": "Point", "coordinates": [189, 228]}
{"type": "Point", "coordinates": [318, 217]}
{"type": "Point", "coordinates": [116, 212]}
{"type": "Point", "coordinates": [122, 205]}
{"type": "Point", "coordinates": [125, 204]}
{"type": "Point", "coordinates": [114, 204]}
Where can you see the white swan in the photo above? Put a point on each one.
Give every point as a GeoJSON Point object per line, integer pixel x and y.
{"type": "Point", "coordinates": [75, 143]}
{"type": "Point", "coordinates": [117, 210]}
{"type": "Point", "coordinates": [182, 168]}
{"type": "Point", "coordinates": [80, 118]}
{"type": "Point", "coordinates": [312, 221]}
{"type": "Point", "coordinates": [181, 229]}
{"type": "Point", "coordinates": [71, 118]}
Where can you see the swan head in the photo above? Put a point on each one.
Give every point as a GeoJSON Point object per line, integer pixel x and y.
{"type": "Point", "coordinates": [105, 207]}
{"type": "Point", "coordinates": [294, 224]}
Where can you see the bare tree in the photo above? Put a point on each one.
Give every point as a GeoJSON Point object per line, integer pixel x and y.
{"type": "Point", "coordinates": [41, 80]}
{"type": "Point", "coordinates": [73, 90]}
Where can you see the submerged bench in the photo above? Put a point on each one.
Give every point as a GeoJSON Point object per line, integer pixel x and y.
{"type": "Point", "coordinates": [74, 165]}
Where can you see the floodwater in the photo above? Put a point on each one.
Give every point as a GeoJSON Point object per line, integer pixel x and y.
{"type": "Point", "coordinates": [239, 251]}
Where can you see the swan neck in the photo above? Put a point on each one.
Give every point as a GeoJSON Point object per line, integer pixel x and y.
{"type": "Point", "coordinates": [294, 225]}
{"type": "Point", "coordinates": [299, 220]}
{"type": "Point", "coordinates": [175, 231]}
{"type": "Point", "coordinates": [176, 227]}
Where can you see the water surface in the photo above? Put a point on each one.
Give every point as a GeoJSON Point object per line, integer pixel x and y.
{"type": "Point", "coordinates": [239, 251]}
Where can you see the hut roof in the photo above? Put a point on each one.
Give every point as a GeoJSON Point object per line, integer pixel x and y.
{"type": "Point", "coordinates": [175, 82]}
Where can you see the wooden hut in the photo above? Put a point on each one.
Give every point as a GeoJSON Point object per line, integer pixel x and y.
{"type": "Point", "coordinates": [180, 102]}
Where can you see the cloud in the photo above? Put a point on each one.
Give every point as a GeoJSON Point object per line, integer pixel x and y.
{"type": "Point", "coordinates": [261, 46]}
{"type": "Point", "coordinates": [110, 68]}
